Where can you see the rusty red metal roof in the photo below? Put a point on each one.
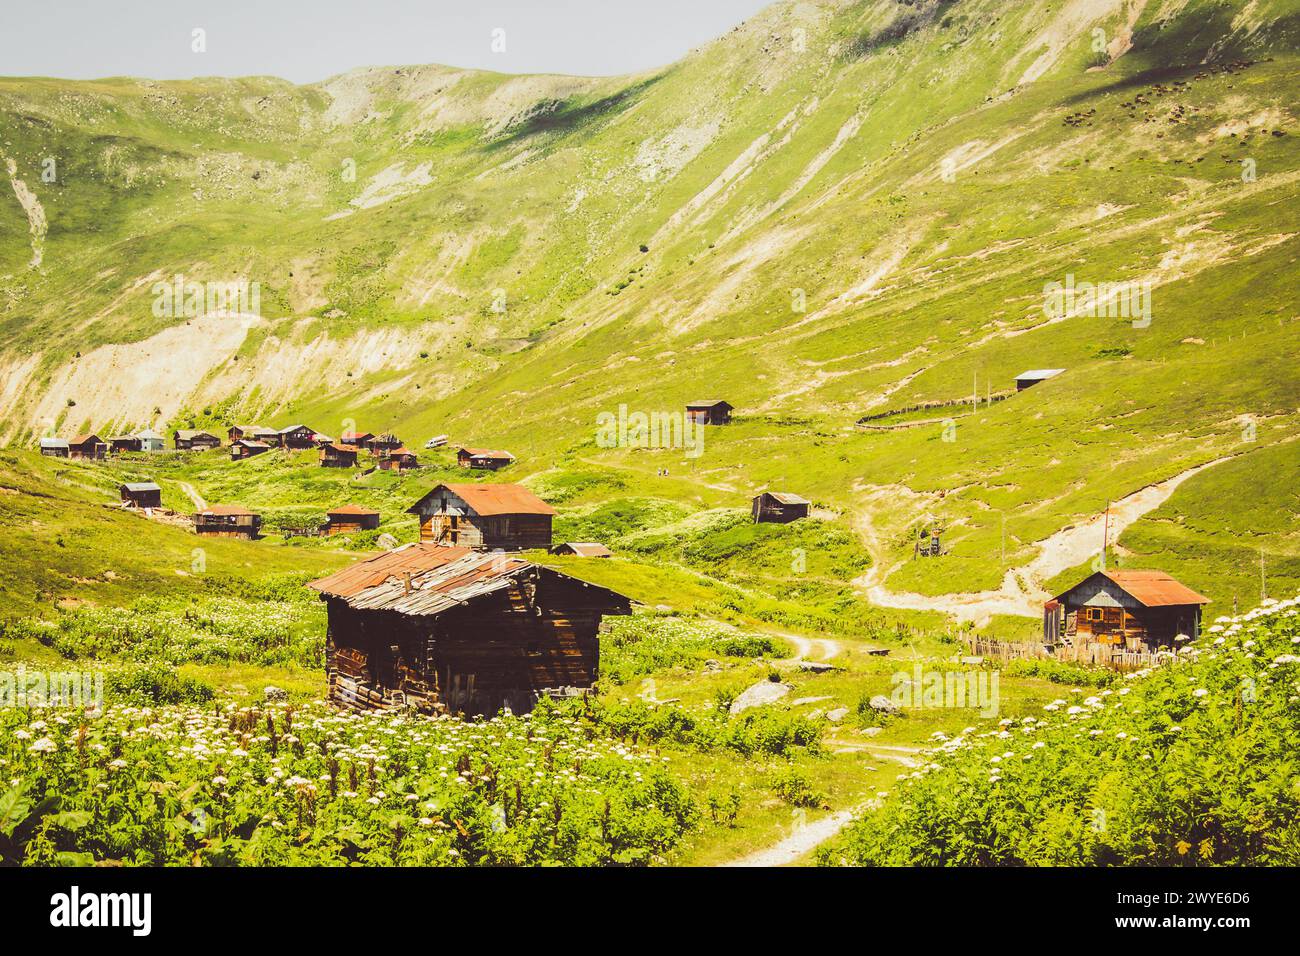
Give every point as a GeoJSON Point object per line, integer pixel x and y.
{"type": "Point", "coordinates": [352, 510]}
{"type": "Point", "coordinates": [226, 510]}
{"type": "Point", "coordinates": [427, 579]}
{"type": "Point", "coordinates": [82, 439]}
{"type": "Point", "coordinates": [1155, 588]}
{"type": "Point", "coordinates": [346, 449]}
{"type": "Point", "coordinates": [493, 499]}
{"type": "Point", "coordinates": [353, 437]}
{"type": "Point", "coordinates": [493, 453]}
{"type": "Point", "coordinates": [585, 549]}
{"type": "Point", "coordinates": [786, 498]}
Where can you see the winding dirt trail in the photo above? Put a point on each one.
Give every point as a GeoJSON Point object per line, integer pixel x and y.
{"type": "Point", "coordinates": [803, 841]}
{"type": "Point", "coordinates": [194, 496]}
{"type": "Point", "coordinates": [1021, 592]}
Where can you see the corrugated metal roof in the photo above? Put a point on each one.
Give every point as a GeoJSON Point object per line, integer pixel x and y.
{"type": "Point", "coordinates": [400, 450]}
{"type": "Point", "coordinates": [352, 510]}
{"type": "Point", "coordinates": [488, 453]}
{"type": "Point", "coordinates": [141, 486]}
{"type": "Point", "coordinates": [1038, 374]}
{"type": "Point", "coordinates": [250, 443]}
{"type": "Point", "coordinates": [226, 510]}
{"type": "Point", "coordinates": [786, 498]}
{"type": "Point", "coordinates": [344, 448]}
{"type": "Point", "coordinates": [185, 434]}
{"type": "Point", "coordinates": [1155, 588]}
{"type": "Point", "coordinates": [54, 443]}
{"type": "Point", "coordinates": [493, 499]}
{"type": "Point", "coordinates": [588, 549]}
{"type": "Point", "coordinates": [439, 578]}
{"type": "Point", "coordinates": [149, 434]}
{"type": "Point", "coordinates": [353, 437]}
{"type": "Point", "coordinates": [82, 439]}
{"type": "Point", "coordinates": [710, 403]}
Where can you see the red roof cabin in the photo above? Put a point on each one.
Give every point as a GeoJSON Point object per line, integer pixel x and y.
{"type": "Point", "coordinates": [1132, 610]}
{"type": "Point", "coordinates": [335, 455]}
{"type": "Point", "coordinates": [710, 412]}
{"type": "Point", "coordinates": [90, 447]}
{"type": "Point", "coordinates": [505, 517]}
{"type": "Point", "coordinates": [398, 459]}
{"type": "Point", "coordinates": [350, 518]}
{"type": "Point", "coordinates": [483, 459]}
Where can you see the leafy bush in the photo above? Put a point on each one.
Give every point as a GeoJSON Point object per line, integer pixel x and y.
{"type": "Point", "coordinates": [793, 786]}
{"type": "Point", "coordinates": [1060, 672]}
{"type": "Point", "coordinates": [643, 644]}
{"type": "Point", "coordinates": [771, 733]}
{"type": "Point", "coordinates": [152, 685]}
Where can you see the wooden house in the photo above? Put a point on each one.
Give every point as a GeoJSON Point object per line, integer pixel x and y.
{"type": "Point", "coordinates": [1132, 610]}
{"type": "Point", "coordinates": [505, 517]}
{"type": "Point", "coordinates": [55, 447]}
{"type": "Point", "coordinates": [141, 494]}
{"type": "Point", "coordinates": [1032, 377]}
{"type": "Point", "coordinates": [350, 518]}
{"type": "Point", "coordinates": [150, 440]}
{"type": "Point", "coordinates": [118, 444]}
{"type": "Point", "coordinates": [190, 440]}
{"type": "Point", "coordinates": [88, 446]}
{"type": "Point", "coordinates": [251, 432]}
{"type": "Point", "coordinates": [379, 445]}
{"type": "Point", "coordinates": [484, 459]}
{"type": "Point", "coordinates": [323, 440]}
{"type": "Point", "coordinates": [242, 448]}
{"type": "Point", "coordinates": [228, 521]}
{"type": "Point", "coordinates": [335, 455]}
{"type": "Point", "coordinates": [294, 436]}
{"type": "Point", "coordinates": [779, 507]}
{"type": "Point", "coordinates": [356, 438]}
{"type": "Point", "coordinates": [711, 412]}
{"type": "Point", "coordinates": [583, 549]}
{"type": "Point", "coordinates": [397, 459]}
{"type": "Point", "coordinates": [453, 630]}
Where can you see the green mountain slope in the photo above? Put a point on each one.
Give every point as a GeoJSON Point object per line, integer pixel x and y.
{"type": "Point", "coordinates": [835, 210]}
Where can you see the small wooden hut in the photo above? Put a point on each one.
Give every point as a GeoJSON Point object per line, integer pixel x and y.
{"type": "Point", "coordinates": [452, 630]}
{"type": "Point", "coordinates": [90, 447]}
{"type": "Point", "coordinates": [55, 447]}
{"type": "Point", "coordinates": [335, 455]}
{"type": "Point", "coordinates": [483, 459]}
{"type": "Point", "coordinates": [242, 448]}
{"type": "Point", "coordinates": [119, 444]}
{"type": "Point", "coordinates": [583, 549]}
{"type": "Point", "coordinates": [710, 412]}
{"type": "Point", "coordinates": [294, 436]}
{"type": "Point", "coordinates": [150, 440]}
{"type": "Point", "coordinates": [508, 517]}
{"type": "Point", "coordinates": [188, 439]}
{"type": "Point", "coordinates": [228, 521]}
{"type": "Point", "coordinates": [350, 518]}
{"type": "Point", "coordinates": [1032, 377]}
{"type": "Point", "coordinates": [1134, 610]}
{"type": "Point", "coordinates": [779, 507]}
{"type": "Point", "coordinates": [398, 459]}
{"type": "Point", "coordinates": [141, 494]}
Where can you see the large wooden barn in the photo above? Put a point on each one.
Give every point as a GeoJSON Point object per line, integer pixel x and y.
{"type": "Point", "coordinates": [452, 630]}
{"type": "Point", "coordinates": [778, 507]}
{"type": "Point", "coordinates": [55, 447]}
{"type": "Point", "coordinates": [504, 517]}
{"type": "Point", "coordinates": [227, 521]}
{"type": "Point", "coordinates": [1133, 610]}
{"type": "Point", "coordinates": [88, 446]}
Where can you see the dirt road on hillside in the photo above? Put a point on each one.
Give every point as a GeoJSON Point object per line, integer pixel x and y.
{"type": "Point", "coordinates": [194, 496]}
{"type": "Point", "coordinates": [1021, 593]}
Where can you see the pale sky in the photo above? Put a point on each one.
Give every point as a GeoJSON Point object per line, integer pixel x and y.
{"type": "Point", "coordinates": [308, 40]}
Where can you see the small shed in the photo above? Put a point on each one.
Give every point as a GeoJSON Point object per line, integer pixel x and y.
{"type": "Point", "coordinates": [117, 444]}
{"type": "Point", "coordinates": [242, 448]}
{"type": "Point", "coordinates": [711, 412]}
{"type": "Point", "coordinates": [350, 518]}
{"type": "Point", "coordinates": [508, 517]}
{"type": "Point", "coordinates": [228, 521]}
{"type": "Point", "coordinates": [452, 630]}
{"type": "Point", "coordinates": [55, 447]}
{"type": "Point", "coordinates": [141, 494]}
{"type": "Point", "coordinates": [335, 455]}
{"type": "Point", "coordinates": [484, 459]}
{"type": "Point", "coordinates": [187, 439]}
{"type": "Point", "coordinates": [1027, 379]}
{"type": "Point", "coordinates": [398, 459]}
{"type": "Point", "coordinates": [150, 440]}
{"type": "Point", "coordinates": [583, 549]}
{"type": "Point", "coordinates": [779, 507]}
{"type": "Point", "coordinates": [1135, 610]}
{"type": "Point", "coordinates": [88, 446]}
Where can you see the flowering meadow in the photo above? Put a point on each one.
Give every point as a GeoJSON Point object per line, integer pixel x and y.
{"type": "Point", "coordinates": [642, 644]}
{"type": "Point", "coordinates": [225, 785]}
{"type": "Point", "coordinates": [1195, 762]}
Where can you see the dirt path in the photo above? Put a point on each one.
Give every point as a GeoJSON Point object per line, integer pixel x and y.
{"type": "Point", "coordinates": [803, 841]}
{"type": "Point", "coordinates": [1021, 592]}
{"type": "Point", "coordinates": [804, 647]}
{"type": "Point", "coordinates": [194, 496]}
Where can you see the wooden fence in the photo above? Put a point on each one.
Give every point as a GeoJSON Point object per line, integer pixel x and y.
{"type": "Point", "coordinates": [1097, 655]}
